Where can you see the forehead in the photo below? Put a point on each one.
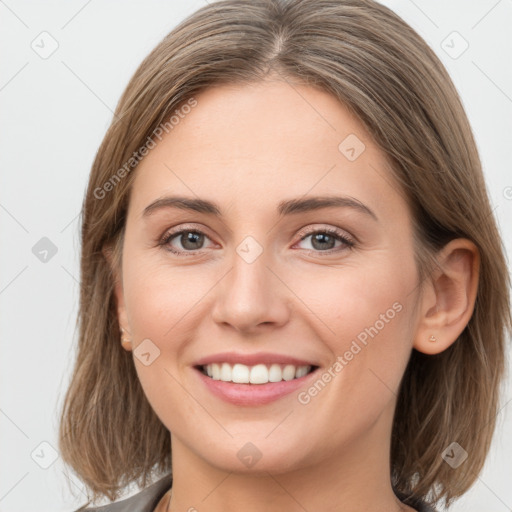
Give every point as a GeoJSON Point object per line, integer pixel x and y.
{"type": "Point", "coordinates": [255, 145]}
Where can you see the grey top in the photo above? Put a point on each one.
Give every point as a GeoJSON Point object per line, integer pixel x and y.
{"type": "Point", "coordinates": [144, 501]}
{"type": "Point", "coordinates": [147, 500]}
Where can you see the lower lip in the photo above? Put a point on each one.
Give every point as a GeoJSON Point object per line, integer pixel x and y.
{"type": "Point", "coordinates": [252, 394]}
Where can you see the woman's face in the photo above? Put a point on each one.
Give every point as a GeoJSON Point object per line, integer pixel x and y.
{"type": "Point", "coordinates": [273, 271]}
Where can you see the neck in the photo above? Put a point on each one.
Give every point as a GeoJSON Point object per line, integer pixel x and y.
{"type": "Point", "coordinates": [355, 478]}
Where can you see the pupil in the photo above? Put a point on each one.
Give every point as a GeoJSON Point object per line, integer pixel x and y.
{"type": "Point", "coordinates": [319, 237]}
{"type": "Point", "coordinates": [191, 238]}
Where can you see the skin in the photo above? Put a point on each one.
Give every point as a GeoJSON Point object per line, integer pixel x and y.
{"type": "Point", "coordinates": [248, 147]}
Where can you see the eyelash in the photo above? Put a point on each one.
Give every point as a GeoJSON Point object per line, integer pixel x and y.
{"type": "Point", "coordinates": [338, 235]}
{"type": "Point", "coordinates": [335, 233]}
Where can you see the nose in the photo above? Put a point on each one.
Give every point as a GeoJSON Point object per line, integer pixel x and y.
{"type": "Point", "coordinates": [251, 297]}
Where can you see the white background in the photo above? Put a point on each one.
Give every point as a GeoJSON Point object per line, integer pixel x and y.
{"type": "Point", "coordinates": [54, 113]}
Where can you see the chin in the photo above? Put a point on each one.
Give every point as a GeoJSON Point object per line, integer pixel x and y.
{"type": "Point", "coordinates": [257, 457]}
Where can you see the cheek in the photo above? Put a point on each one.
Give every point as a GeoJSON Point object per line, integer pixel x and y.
{"type": "Point", "coordinates": [363, 312]}
{"type": "Point", "coordinates": [352, 298]}
{"type": "Point", "coordinates": [160, 306]}
{"type": "Point", "coordinates": [370, 347]}
{"type": "Point", "coordinates": [160, 299]}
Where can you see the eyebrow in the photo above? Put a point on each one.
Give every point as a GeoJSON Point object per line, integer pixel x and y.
{"type": "Point", "coordinates": [288, 207]}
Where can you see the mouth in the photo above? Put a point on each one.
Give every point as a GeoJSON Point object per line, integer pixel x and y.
{"type": "Point", "coordinates": [254, 379]}
{"type": "Point", "coordinates": [258, 374]}
{"type": "Point", "coordinates": [258, 385]}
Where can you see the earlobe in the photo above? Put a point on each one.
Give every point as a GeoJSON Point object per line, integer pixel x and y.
{"type": "Point", "coordinates": [126, 341]}
{"type": "Point", "coordinates": [448, 301]}
{"type": "Point", "coordinates": [125, 336]}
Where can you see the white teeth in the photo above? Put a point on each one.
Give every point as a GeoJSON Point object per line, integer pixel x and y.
{"type": "Point", "coordinates": [215, 371]}
{"type": "Point", "coordinates": [240, 374]}
{"type": "Point", "coordinates": [275, 373]}
{"type": "Point", "coordinates": [258, 374]}
{"type": "Point", "coordinates": [301, 371]}
{"type": "Point", "coordinates": [289, 372]}
{"type": "Point", "coordinates": [225, 372]}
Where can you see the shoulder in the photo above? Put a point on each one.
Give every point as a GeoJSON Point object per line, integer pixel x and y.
{"type": "Point", "coordinates": [144, 501]}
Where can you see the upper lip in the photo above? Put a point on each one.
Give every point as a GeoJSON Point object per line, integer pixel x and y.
{"type": "Point", "coordinates": [252, 359]}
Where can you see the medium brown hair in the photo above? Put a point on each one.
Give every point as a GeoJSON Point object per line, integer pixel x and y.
{"type": "Point", "coordinates": [384, 72]}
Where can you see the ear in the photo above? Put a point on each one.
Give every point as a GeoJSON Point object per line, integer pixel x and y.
{"type": "Point", "coordinates": [448, 300]}
{"type": "Point", "coordinates": [122, 316]}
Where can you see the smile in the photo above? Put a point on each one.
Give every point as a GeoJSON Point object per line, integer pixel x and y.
{"type": "Point", "coordinates": [257, 374]}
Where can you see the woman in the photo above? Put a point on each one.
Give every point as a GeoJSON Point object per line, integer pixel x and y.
{"type": "Point", "coordinates": [293, 290]}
